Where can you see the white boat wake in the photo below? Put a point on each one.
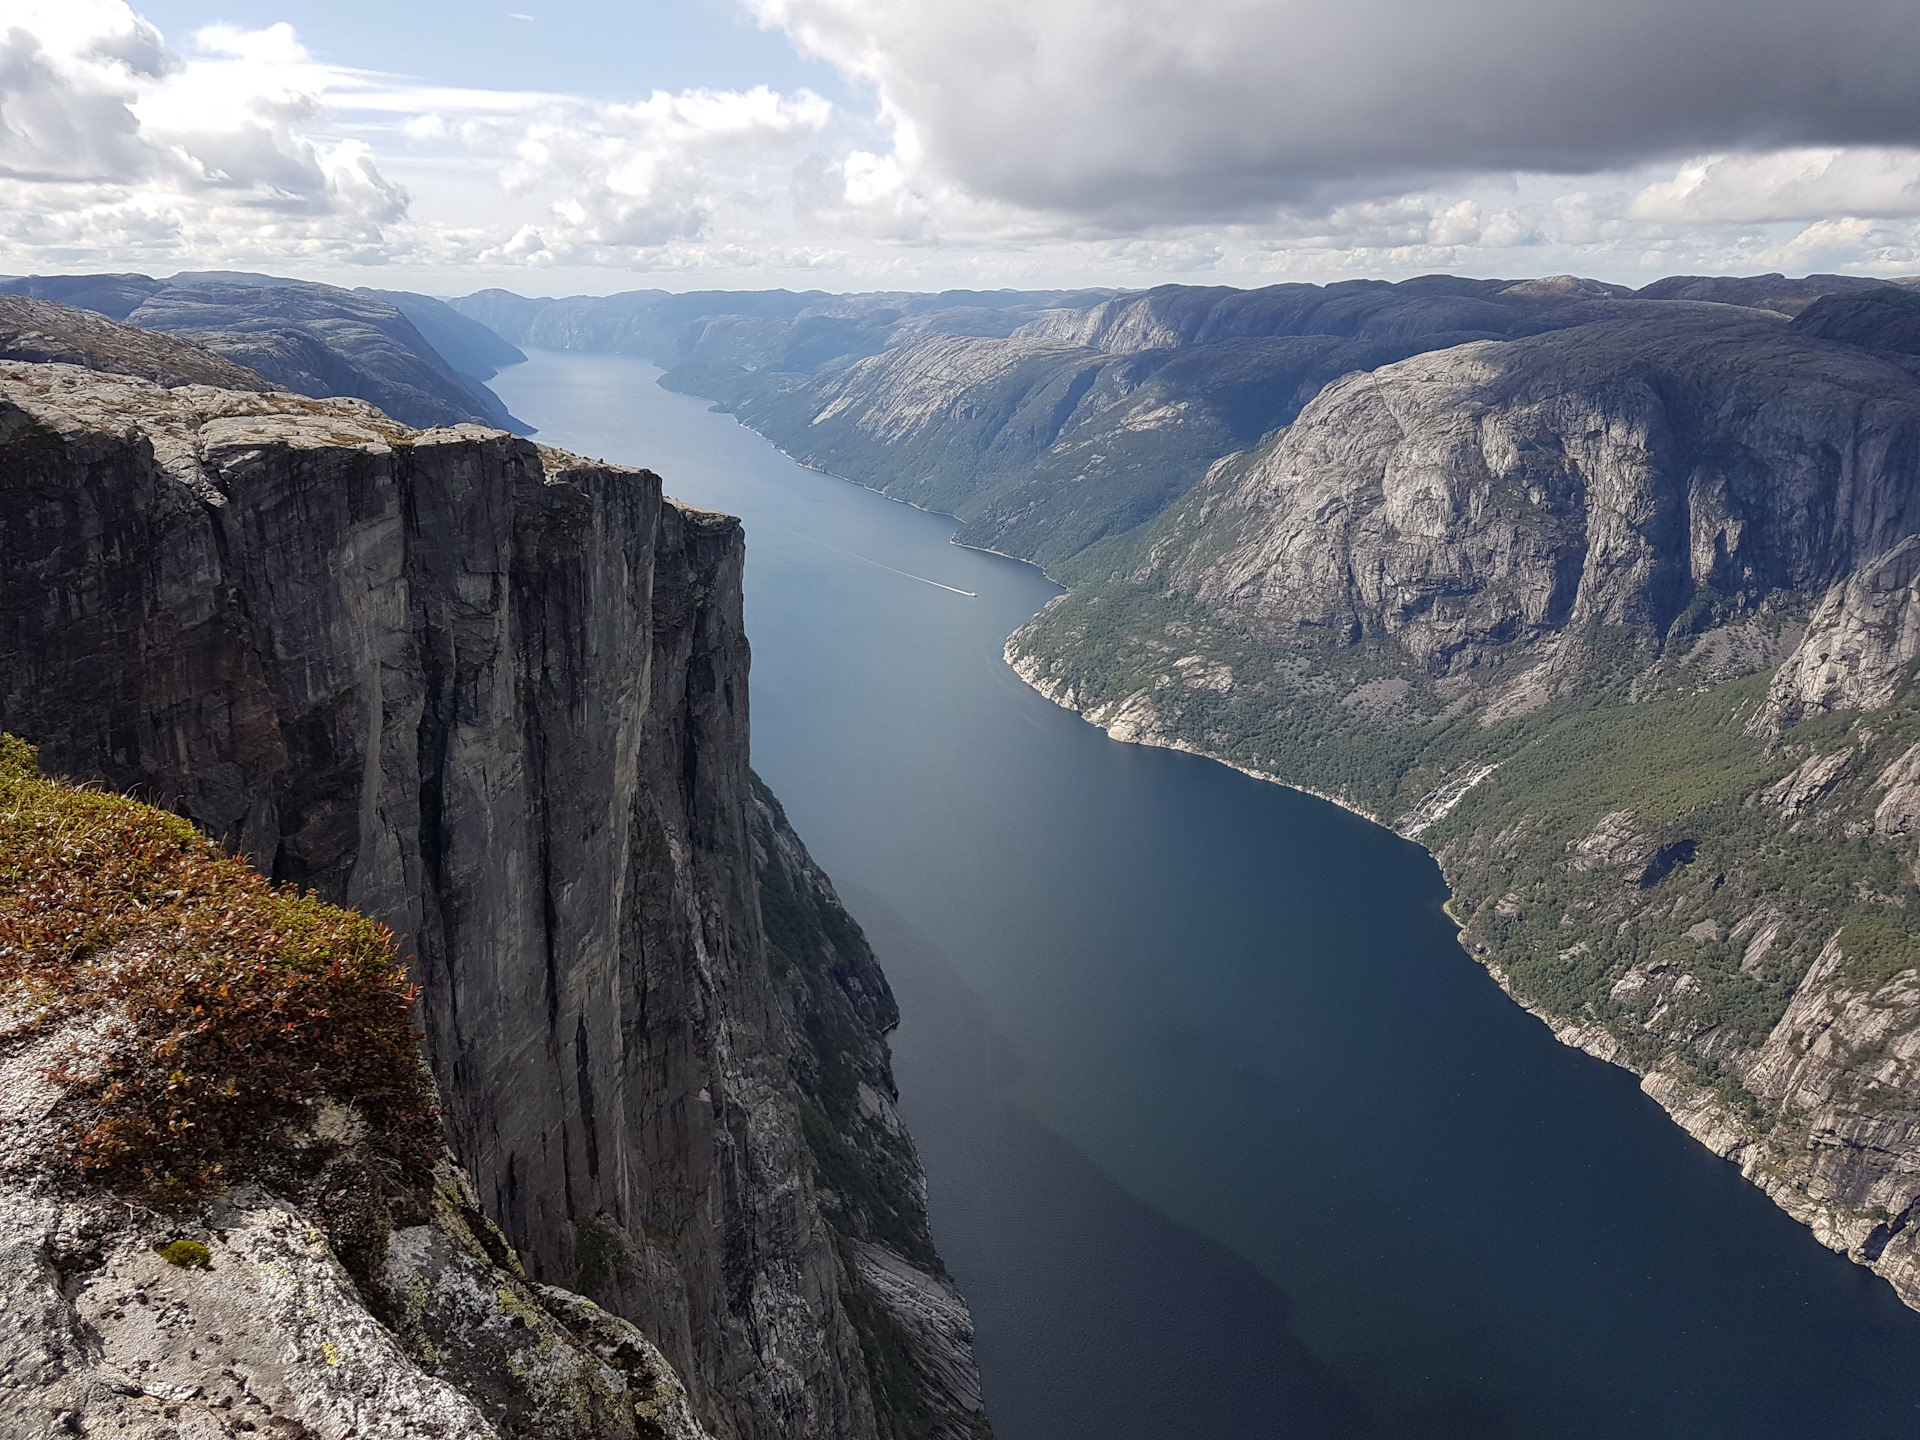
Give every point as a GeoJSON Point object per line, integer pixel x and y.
{"type": "Point", "coordinates": [952, 590]}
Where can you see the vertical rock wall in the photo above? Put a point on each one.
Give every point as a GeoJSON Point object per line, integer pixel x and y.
{"type": "Point", "coordinates": [497, 697]}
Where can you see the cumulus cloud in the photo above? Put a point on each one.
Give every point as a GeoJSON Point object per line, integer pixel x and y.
{"type": "Point", "coordinates": [240, 147]}
{"type": "Point", "coordinates": [642, 175]}
{"type": "Point", "coordinates": [1176, 110]}
{"type": "Point", "coordinates": [112, 144]}
{"type": "Point", "coordinates": [1796, 184]}
{"type": "Point", "coordinates": [1045, 142]}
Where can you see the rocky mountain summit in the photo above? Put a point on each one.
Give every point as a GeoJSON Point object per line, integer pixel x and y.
{"type": "Point", "coordinates": [1608, 597]}
{"type": "Point", "coordinates": [496, 697]}
{"type": "Point", "coordinates": [315, 340]}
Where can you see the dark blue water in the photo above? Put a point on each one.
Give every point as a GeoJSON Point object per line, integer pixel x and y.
{"type": "Point", "coordinates": [1225, 1136]}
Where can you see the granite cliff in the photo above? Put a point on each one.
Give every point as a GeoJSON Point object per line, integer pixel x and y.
{"type": "Point", "coordinates": [496, 696]}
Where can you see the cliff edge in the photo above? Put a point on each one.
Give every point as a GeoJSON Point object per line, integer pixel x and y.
{"type": "Point", "coordinates": [495, 696]}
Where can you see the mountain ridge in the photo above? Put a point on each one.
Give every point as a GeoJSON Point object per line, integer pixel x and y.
{"type": "Point", "coordinates": [316, 340]}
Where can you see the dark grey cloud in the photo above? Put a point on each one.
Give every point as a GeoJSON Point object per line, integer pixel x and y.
{"type": "Point", "coordinates": [1165, 109]}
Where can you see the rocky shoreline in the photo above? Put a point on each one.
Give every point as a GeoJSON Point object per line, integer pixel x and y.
{"type": "Point", "coordinates": [1886, 1243]}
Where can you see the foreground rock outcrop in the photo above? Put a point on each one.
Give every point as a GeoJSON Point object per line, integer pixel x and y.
{"type": "Point", "coordinates": [221, 1205]}
{"type": "Point", "coordinates": [497, 697]}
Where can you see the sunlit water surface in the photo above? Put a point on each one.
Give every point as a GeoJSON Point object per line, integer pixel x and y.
{"type": "Point", "coordinates": [1225, 1136]}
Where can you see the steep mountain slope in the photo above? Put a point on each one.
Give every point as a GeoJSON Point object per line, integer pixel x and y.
{"type": "Point", "coordinates": [474, 351]}
{"type": "Point", "coordinates": [40, 331]}
{"type": "Point", "coordinates": [497, 697]}
{"type": "Point", "coordinates": [315, 340]}
{"type": "Point", "coordinates": [1523, 600]}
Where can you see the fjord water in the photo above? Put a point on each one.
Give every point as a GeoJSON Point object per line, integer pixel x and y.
{"type": "Point", "coordinates": [1225, 1136]}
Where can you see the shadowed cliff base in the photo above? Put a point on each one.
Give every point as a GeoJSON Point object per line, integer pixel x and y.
{"type": "Point", "coordinates": [1072, 1280]}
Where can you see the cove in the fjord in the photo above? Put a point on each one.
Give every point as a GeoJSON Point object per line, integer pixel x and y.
{"type": "Point", "coordinates": [1225, 1135]}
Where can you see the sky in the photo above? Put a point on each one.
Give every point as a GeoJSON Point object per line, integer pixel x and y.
{"type": "Point", "coordinates": [586, 147]}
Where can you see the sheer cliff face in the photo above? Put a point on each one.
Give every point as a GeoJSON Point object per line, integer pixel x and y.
{"type": "Point", "coordinates": [1463, 501]}
{"type": "Point", "coordinates": [497, 697]}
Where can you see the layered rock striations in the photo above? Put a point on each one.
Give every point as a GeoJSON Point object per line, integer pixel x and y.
{"type": "Point", "coordinates": [497, 696]}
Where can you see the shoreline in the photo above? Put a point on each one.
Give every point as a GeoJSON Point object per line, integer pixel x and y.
{"type": "Point", "coordinates": [1695, 1110]}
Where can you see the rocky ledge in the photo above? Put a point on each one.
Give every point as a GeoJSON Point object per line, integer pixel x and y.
{"type": "Point", "coordinates": [221, 1208]}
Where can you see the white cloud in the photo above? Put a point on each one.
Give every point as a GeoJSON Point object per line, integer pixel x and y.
{"type": "Point", "coordinates": [1170, 111]}
{"type": "Point", "coordinates": [635, 176]}
{"type": "Point", "coordinates": [115, 148]}
{"type": "Point", "coordinates": [1040, 143]}
{"type": "Point", "coordinates": [112, 145]}
{"type": "Point", "coordinates": [1797, 184]}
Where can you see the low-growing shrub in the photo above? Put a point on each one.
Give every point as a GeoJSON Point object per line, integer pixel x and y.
{"type": "Point", "coordinates": [187, 1254]}
{"type": "Point", "coordinates": [235, 1006]}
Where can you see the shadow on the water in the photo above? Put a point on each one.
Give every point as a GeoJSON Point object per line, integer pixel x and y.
{"type": "Point", "coordinates": [1072, 1280]}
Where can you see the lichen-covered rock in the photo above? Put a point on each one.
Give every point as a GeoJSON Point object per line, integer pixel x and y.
{"type": "Point", "coordinates": [101, 1335]}
{"type": "Point", "coordinates": [541, 1362]}
{"type": "Point", "coordinates": [339, 1285]}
